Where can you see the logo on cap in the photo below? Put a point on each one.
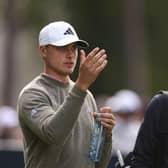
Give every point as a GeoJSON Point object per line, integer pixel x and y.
{"type": "Point", "coordinates": [69, 31]}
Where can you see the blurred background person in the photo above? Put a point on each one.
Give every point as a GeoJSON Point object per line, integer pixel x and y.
{"type": "Point", "coordinates": [133, 32]}
{"type": "Point", "coordinates": [10, 134]}
{"type": "Point", "coordinates": [127, 106]}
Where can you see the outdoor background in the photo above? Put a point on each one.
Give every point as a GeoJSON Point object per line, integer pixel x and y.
{"type": "Point", "coordinates": [134, 33]}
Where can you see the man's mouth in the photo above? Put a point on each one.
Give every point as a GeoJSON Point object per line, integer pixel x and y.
{"type": "Point", "coordinates": [69, 64]}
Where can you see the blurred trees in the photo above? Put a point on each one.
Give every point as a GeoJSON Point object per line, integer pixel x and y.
{"type": "Point", "coordinates": [134, 45]}
{"type": "Point", "coordinates": [117, 26]}
{"type": "Point", "coordinates": [133, 32]}
{"type": "Point", "coordinates": [11, 19]}
{"type": "Point", "coordinates": [100, 24]}
{"type": "Point", "coordinates": [157, 32]}
{"type": "Point", "coordinates": [19, 15]}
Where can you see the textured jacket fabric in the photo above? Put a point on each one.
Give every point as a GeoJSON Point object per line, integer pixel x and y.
{"type": "Point", "coordinates": [151, 149]}
{"type": "Point", "coordinates": [56, 120]}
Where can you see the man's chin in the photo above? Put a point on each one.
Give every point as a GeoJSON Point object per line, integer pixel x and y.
{"type": "Point", "coordinates": [68, 73]}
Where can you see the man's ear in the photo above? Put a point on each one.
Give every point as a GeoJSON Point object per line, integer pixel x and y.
{"type": "Point", "coordinates": [42, 51]}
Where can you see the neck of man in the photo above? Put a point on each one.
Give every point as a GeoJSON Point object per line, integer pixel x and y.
{"type": "Point", "coordinates": [55, 76]}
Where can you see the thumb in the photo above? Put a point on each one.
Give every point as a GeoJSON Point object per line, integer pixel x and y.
{"type": "Point", "coordinates": [82, 57]}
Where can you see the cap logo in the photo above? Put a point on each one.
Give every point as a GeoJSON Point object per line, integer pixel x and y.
{"type": "Point", "coordinates": [69, 31]}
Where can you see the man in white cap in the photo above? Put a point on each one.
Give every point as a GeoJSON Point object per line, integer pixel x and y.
{"type": "Point", "coordinates": [56, 114]}
{"type": "Point", "coordinates": [127, 106]}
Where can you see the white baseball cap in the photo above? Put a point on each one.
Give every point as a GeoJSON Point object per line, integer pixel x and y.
{"type": "Point", "coordinates": [125, 101]}
{"type": "Point", "coordinates": [59, 34]}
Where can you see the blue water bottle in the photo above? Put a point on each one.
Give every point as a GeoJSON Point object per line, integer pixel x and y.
{"type": "Point", "coordinates": [97, 141]}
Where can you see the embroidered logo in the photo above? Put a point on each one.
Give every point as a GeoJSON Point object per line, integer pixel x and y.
{"type": "Point", "coordinates": [33, 113]}
{"type": "Point", "coordinates": [68, 32]}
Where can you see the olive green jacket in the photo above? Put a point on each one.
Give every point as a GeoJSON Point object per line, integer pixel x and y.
{"type": "Point", "coordinates": [56, 121]}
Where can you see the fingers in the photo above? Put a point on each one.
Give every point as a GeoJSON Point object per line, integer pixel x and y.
{"type": "Point", "coordinates": [108, 124]}
{"type": "Point", "coordinates": [96, 60]}
{"type": "Point", "coordinates": [82, 57]}
{"type": "Point", "coordinates": [90, 67]}
{"type": "Point", "coordinates": [93, 53]}
{"type": "Point", "coordinates": [107, 118]}
{"type": "Point", "coordinates": [99, 57]}
{"type": "Point", "coordinates": [101, 66]}
{"type": "Point", "coordinates": [96, 55]}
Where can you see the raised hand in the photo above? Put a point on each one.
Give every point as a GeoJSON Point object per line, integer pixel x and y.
{"type": "Point", "coordinates": [90, 67]}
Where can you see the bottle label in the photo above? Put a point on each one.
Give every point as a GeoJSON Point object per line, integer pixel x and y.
{"type": "Point", "coordinates": [97, 141]}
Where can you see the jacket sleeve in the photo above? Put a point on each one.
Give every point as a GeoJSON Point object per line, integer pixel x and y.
{"type": "Point", "coordinates": [147, 138]}
{"type": "Point", "coordinates": [36, 112]}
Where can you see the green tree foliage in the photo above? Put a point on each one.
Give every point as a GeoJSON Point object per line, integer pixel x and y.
{"type": "Point", "coordinates": [40, 12]}
{"type": "Point", "coordinates": [157, 32]}
{"type": "Point", "coordinates": [101, 23]}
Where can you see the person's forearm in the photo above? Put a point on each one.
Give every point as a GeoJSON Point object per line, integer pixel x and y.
{"type": "Point", "coordinates": [61, 124]}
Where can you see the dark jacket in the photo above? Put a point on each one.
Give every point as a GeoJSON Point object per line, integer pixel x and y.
{"type": "Point", "coordinates": [151, 148]}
